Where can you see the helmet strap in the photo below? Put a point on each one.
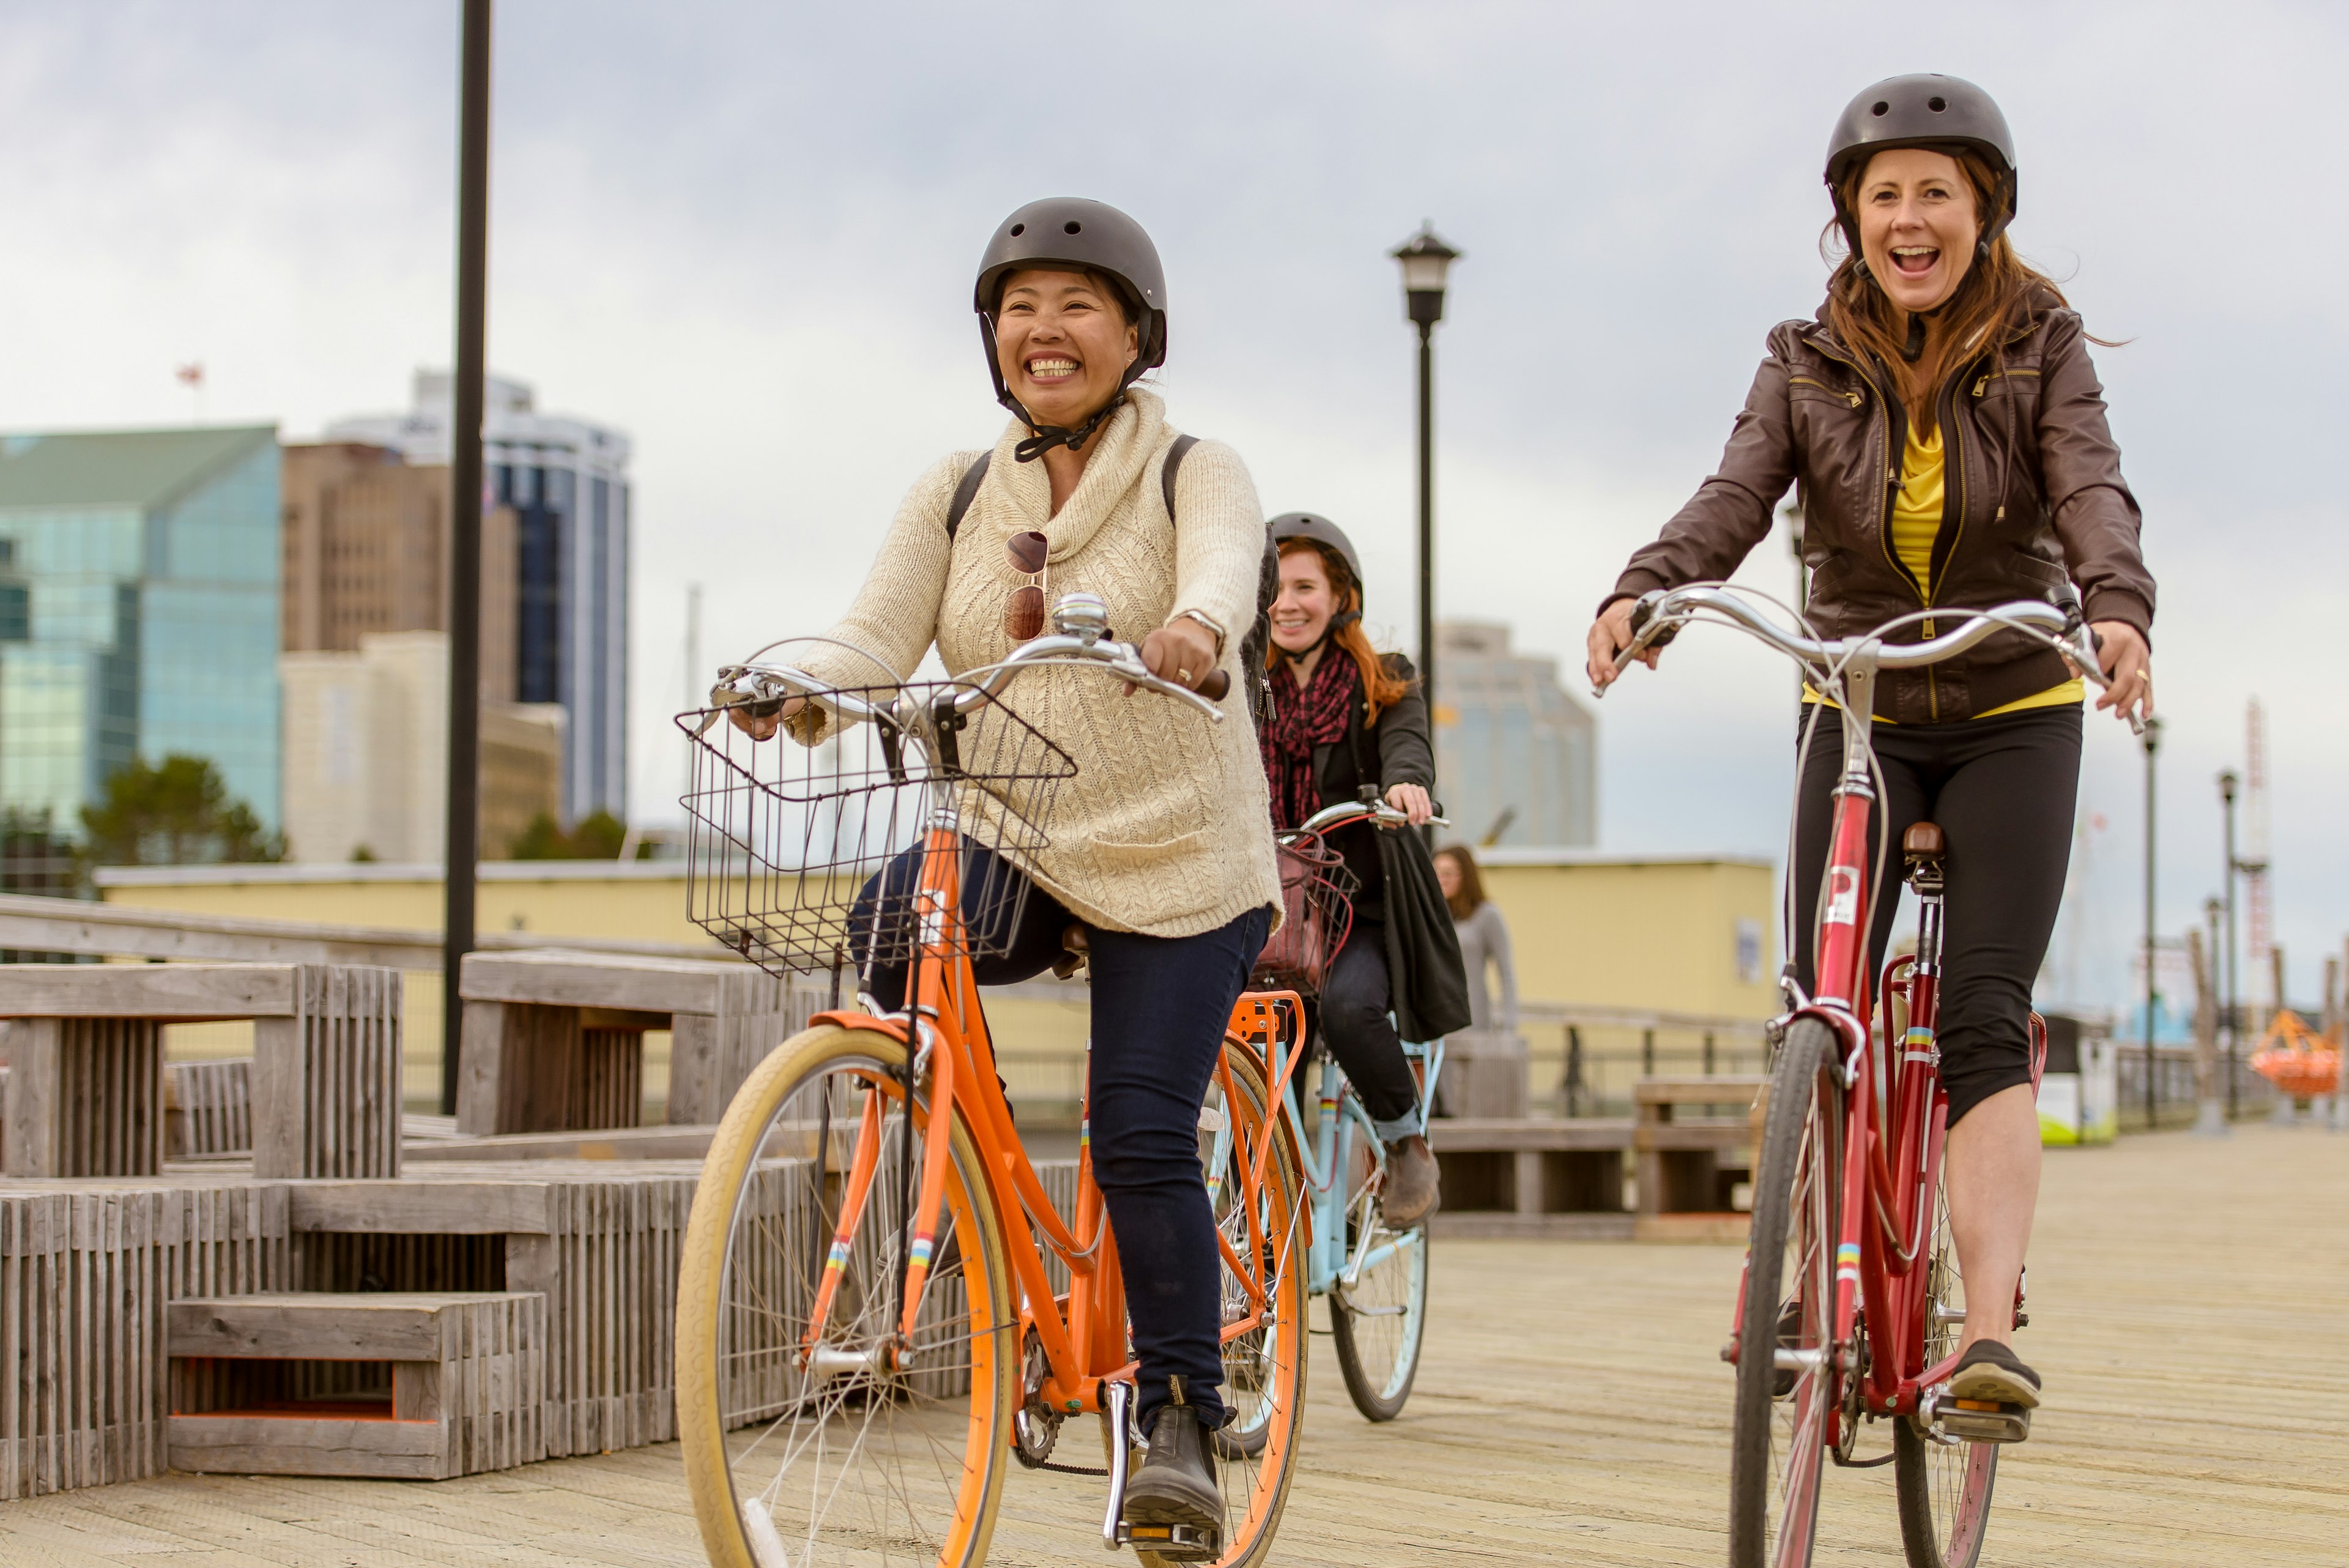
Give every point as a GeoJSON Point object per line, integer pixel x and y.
{"type": "Point", "coordinates": [1046, 437]}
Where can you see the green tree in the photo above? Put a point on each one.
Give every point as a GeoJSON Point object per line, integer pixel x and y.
{"type": "Point", "coordinates": [176, 812]}
{"type": "Point", "coordinates": [598, 836]}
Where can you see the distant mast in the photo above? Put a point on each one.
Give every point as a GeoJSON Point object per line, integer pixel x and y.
{"type": "Point", "coordinates": [2257, 893]}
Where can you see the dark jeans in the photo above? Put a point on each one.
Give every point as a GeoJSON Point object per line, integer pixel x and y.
{"type": "Point", "coordinates": [1355, 997]}
{"type": "Point", "coordinates": [2003, 791]}
{"type": "Point", "coordinates": [1159, 1008]}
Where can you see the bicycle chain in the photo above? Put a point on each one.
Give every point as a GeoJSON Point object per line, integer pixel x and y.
{"type": "Point", "coordinates": [1070, 1470]}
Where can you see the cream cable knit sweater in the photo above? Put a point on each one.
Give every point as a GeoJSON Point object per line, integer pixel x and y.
{"type": "Point", "coordinates": [1166, 828]}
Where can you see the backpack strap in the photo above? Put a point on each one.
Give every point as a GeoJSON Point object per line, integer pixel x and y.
{"type": "Point", "coordinates": [1174, 463]}
{"type": "Point", "coordinates": [967, 491]}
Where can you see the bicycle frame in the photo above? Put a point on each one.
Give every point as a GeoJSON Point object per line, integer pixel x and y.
{"type": "Point", "coordinates": [1083, 1335]}
{"type": "Point", "coordinates": [1885, 1204]}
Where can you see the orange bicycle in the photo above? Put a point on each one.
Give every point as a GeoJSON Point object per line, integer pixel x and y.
{"type": "Point", "coordinates": [881, 1308]}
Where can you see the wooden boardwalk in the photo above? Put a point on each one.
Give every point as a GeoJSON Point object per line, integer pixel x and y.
{"type": "Point", "coordinates": [2191, 1313]}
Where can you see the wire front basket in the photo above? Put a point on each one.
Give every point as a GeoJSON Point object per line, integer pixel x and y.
{"type": "Point", "coordinates": [797, 854]}
{"type": "Point", "coordinates": [1317, 897]}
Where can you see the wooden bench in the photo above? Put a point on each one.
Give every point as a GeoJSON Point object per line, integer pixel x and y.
{"type": "Point", "coordinates": [85, 1094]}
{"type": "Point", "coordinates": [1685, 1167]}
{"type": "Point", "coordinates": [1524, 1177]}
{"type": "Point", "coordinates": [85, 1277]}
{"type": "Point", "coordinates": [403, 1387]}
{"type": "Point", "coordinates": [553, 1040]}
{"type": "Point", "coordinates": [208, 1110]}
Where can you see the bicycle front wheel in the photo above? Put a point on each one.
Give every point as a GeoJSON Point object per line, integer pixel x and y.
{"type": "Point", "coordinates": [1787, 1389]}
{"type": "Point", "coordinates": [840, 1446]}
{"type": "Point", "coordinates": [1379, 1316]}
{"type": "Point", "coordinates": [1944, 1490]}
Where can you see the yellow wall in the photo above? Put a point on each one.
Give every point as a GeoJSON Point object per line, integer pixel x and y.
{"type": "Point", "coordinates": [1656, 934]}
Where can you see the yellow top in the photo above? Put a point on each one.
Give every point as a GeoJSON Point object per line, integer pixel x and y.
{"type": "Point", "coordinates": [1915, 525]}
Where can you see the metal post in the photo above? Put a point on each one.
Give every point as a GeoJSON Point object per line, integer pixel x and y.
{"type": "Point", "coordinates": [463, 836]}
{"type": "Point", "coordinates": [1574, 1085]}
{"type": "Point", "coordinates": [1427, 514]}
{"type": "Point", "coordinates": [2233, 1009]}
{"type": "Point", "coordinates": [2152, 745]}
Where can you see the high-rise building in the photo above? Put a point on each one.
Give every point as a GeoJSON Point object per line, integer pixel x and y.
{"type": "Point", "coordinates": [1516, 759]}
{"type": "Point", "coordinates": [367, 748]}
{"type": "Point", "coordinates": [139, 612]}
{"type": "Point", "coordinates": [567, 482]}
{"type": "Point", "coordinates": [367, 553]}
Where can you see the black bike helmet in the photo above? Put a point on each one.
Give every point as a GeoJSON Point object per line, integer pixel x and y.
{"type": "Point", "coordinates": [1091, 236]}
{"type": "Point", "coordinates": [1316, 530]}
{"type": "Point", "coordinates": [1922, 110]}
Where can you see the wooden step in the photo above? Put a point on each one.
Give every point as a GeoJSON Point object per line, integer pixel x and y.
{"type": "Point", "coordinates": [412, 1387]}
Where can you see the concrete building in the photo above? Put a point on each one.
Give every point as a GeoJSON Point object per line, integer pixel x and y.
{"type": "Point", "coordinates": [1513, 752]}
{"type": "Point", "coordinates": [366, 750]}
{"type": "Point", "coordinates": [139, 612]}
{"type": "Point", "coordinates": [567, 482]}
{"type": "Point", "coordinates": [366, 551]}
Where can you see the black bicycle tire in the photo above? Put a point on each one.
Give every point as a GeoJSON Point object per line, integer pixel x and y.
{"type": "Point", "coordinates": [1368, 1400]}
{"type": "Point", "coordinates": [1922, 1536]}
{"type": "Point", "coordinates": [1795, 1078]}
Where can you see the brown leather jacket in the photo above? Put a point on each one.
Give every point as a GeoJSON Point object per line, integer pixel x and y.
{"type": "Point", "coordinates": [2036, 505]}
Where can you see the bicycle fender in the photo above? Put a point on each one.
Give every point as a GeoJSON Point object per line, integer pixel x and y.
{"type": "Point", "coordinates": [894, 1028]}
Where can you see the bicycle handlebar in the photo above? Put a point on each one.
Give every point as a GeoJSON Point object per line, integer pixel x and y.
{"type": "Point", "coordinates": [1346, 813]}
{"type": "Point", "coordinates": [2057, 626]}
{"type": "Point", "coordinates": [1079, 637]}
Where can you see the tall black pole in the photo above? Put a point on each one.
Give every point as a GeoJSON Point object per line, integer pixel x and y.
{"type": "Point", "coordinates": [463, 836]}
{"type": "Point", "coordinates": [2234, 1013]}
{"type": "Point", "coordinates": [2152, 744]}
{"type": "Point", "coordinates": [1427, 514]}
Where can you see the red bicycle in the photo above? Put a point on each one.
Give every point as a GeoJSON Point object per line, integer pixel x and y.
{"type": "Point", "coordinates": [1852, 1307]}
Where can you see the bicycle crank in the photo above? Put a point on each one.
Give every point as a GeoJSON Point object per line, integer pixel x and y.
{"type": "Point", "coordinates": [1948, 1421]}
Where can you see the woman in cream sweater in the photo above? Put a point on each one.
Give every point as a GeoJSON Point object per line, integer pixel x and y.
{"type": "Point", "coordinates": [1160, 846]}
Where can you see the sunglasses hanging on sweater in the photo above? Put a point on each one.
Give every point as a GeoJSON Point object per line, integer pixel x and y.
{"type": "Point", "coordinates": [1023, 617]}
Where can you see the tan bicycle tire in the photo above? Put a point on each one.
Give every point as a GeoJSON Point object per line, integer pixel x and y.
{"type": "Point", "coordinates": [701, 1424]}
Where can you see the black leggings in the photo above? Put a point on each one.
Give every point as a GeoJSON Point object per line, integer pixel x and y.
{"type": "Point", "coordinates": [1160, 1005]}
{"type": "Point", "coordinates": [2003, 791]}
{"type": "Point", "coordinates": [1355, 997]}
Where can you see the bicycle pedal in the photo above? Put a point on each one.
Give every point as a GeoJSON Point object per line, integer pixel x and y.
{"type": "Point", "coordinates": [1172, 1543]}
{"type": "Point", "coordinates": [1980, 1420]}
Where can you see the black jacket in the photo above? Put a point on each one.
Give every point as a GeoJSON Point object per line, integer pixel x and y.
{"type": "Point", "coordinates": [1427, 981]}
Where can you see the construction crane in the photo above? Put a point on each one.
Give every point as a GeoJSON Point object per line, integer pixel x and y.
{"type": "Point", "coordinates": [2253, 861]}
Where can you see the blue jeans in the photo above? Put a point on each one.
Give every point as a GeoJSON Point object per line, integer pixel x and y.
{"type": "Point", "coordinates": [1160, 1005]}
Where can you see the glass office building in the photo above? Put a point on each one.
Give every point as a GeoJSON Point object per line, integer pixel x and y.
{"type": "Point", "coordinates": [1516, 759]}
{"type": "Point", "coordinates": [567, 482]}
{"type": "Point", "coordinates": [138, 612]}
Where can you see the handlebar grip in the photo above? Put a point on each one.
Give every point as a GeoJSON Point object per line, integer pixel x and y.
{"type": "Point", "coordinates": [1213, 687]}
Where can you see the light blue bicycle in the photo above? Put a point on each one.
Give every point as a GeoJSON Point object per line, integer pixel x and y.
{"type": "Point", "coordinates": [1375, 1278]}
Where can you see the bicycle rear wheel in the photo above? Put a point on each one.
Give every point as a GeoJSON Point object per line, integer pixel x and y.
{"type": "Point", "coordinates": [1786, 1409]}
{"type": "Point", "coordinates": [1255, 1457]}
{"type": "Point", "coordinates": [849, 1454]}
{"type": "Point", "coordinates": [1377, 1322]}
{"type": "Point", "coordinates": [1944, 1490]}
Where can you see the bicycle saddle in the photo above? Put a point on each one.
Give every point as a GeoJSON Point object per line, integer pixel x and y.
{"type": "Point", "coordinates": [1076, 944]}
{"type": "Point", "coordinates": [1924, 841]}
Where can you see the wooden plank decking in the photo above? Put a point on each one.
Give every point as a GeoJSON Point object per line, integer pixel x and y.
{"type": "Point", "coordinates": [2191, 1306]}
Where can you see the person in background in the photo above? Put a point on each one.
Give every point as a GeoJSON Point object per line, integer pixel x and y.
{"type": "Point", "coordinates": [1483, 938]}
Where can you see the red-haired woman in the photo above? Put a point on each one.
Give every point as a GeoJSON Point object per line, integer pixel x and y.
{"type": "Point", "coordinates": [1946, 429]}
{"type": "Point", "coordinates": [1344, 718]}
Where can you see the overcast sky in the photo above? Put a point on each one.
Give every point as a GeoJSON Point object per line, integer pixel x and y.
{"type": "Point", "coordinates": [746, 235]}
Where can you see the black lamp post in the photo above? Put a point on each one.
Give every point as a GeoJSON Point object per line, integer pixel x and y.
{"type": "Point", "coordinates": [2227, 782]}
{"type": "Point", "coordinates": [1426, 261]}
{"type": "Point", "coordinates": [2152, 745]}
{"type": "Point", "coordinates": [462, 841]}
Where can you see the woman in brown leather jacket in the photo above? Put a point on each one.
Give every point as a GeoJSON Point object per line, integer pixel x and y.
{"type": "Point", "coordinates": [1946, 434]}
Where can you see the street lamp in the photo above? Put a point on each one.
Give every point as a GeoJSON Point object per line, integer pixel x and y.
{"type": "Point", "coordinates": [2152, 745]}
{"type": "Point", "coordinates": [2227, 783]}
{"type": "Point", "coordinates": [2209, 1121]}
{"type": "Point", "coordinates": [1426, 261]}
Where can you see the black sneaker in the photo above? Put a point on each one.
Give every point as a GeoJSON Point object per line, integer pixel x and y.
{"type": "Point", "coordinates": [1176, 1484]}
{"type": "Point", "coordinates": [1992, 1373]}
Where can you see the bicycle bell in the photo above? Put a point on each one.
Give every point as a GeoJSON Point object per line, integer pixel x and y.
{"type": "Point", "coordinates": [1084, 616]}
